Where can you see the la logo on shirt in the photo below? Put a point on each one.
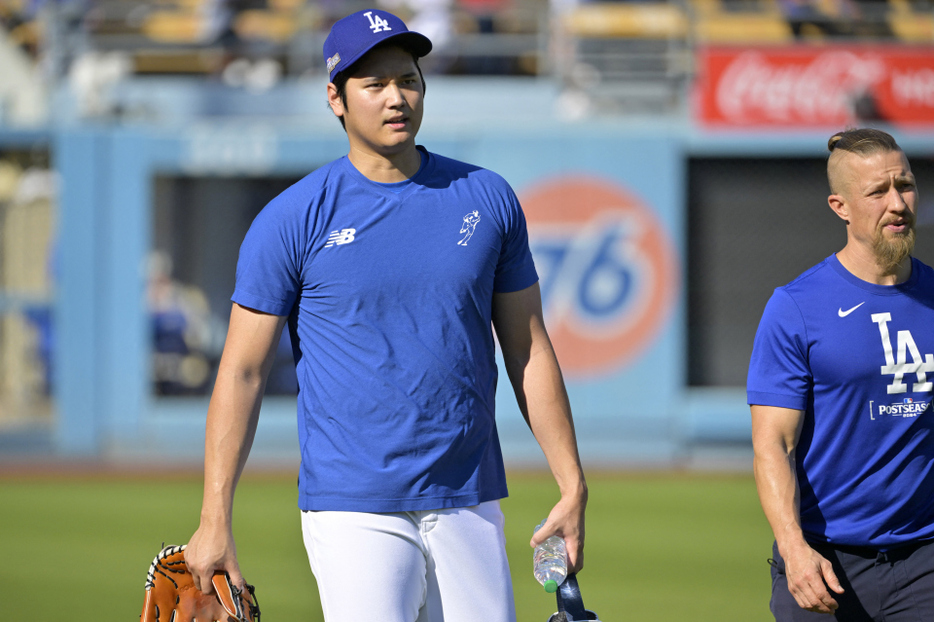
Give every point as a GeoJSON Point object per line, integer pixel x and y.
{"type": "Point", "coordinates": [896, 359]}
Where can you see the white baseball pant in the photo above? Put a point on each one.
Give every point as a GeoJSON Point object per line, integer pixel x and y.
{"type": "Point", "coordinates": [428, 566]}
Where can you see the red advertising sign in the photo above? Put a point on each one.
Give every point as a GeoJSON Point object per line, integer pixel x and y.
{"type": "Point", "coordinates": [805, 86]}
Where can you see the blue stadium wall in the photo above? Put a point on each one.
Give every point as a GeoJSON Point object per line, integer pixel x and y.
{"type": "Point", "coordinates": [614, 266]}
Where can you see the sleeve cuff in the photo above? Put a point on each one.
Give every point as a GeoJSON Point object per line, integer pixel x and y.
{"type": "Point", "coordinates": [262, 305]}
{"type": "Point", "coordinates": [762, 398]}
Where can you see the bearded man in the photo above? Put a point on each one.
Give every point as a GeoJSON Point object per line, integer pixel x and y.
{"type": "Point", "coordinates": [840, 388]}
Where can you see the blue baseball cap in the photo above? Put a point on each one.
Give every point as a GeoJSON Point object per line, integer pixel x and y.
{"type": "Point", "coordinates": [355, 35]}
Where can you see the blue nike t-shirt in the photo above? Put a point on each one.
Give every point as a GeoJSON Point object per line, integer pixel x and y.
{"type": "Point", "coordinates": [857, 358]}
{"type": "Point", "coordinates": [388, 292]}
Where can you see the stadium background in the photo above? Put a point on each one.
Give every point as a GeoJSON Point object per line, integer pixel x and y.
{"type": "Point", "coordinates": [669, 155]}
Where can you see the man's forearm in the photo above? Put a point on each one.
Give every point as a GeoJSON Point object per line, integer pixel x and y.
{"type": "Point", "coordinates": [544, 403]}
{"type": "Point", "coordinates": [235, 402]}
{"type": "Point", "coordinates": [810, 577]}
{"type": "Point", "coordinates": [778, 494]}
{"type": "Point", "coordinates": [231, 426]}
{"type": "Point", "coordinates": [775, 433]}
{"type": "Point", "coordinates": [542, 396]}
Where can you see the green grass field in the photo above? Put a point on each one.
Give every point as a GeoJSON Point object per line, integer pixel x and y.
{"type": "Point", "coordinates": [660, 547]}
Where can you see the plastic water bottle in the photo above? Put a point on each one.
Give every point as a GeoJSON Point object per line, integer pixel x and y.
{"type": "Point", "coordinates": [550, 562]}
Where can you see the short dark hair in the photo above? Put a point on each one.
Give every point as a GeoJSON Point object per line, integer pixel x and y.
{"type": "Point", "coordinates": [340, 78]}
{"type": "Point", "coordinates": [862, 141]}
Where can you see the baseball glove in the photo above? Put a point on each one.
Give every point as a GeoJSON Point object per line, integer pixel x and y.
{"type": "Point", "coordinates": [171, 595]}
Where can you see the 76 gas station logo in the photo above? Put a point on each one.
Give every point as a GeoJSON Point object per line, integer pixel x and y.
{"type": "Point", "coordinates": [607, 271]}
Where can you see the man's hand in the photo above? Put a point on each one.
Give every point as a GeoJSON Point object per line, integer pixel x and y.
{"type": "Point", "coordinates": [212, 548]}
{"type": "Point", "coordinates": [567, 521]}
{"type": "Point", "coordinates": [809, 576]}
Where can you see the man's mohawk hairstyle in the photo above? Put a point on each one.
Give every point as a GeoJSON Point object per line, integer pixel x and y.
{"type": "Point", "coordinates": [862, 141]}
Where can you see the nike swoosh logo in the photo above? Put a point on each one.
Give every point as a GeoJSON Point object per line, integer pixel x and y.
{"type": "Point", "coordinates": [843, 313]}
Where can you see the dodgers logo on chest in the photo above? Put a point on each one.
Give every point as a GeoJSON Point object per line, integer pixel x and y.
{"type": "Point", "coordinates": [896, 359]}
{"type": "Point", "coordinates": [897, 365]}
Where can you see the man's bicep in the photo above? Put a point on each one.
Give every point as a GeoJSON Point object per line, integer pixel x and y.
{"type": "Point", "coordinates": [252, 337]}
{"type": "Point", "coordinates": [775, 427]}
{"type": "Point", "coordinates": [517, 319]}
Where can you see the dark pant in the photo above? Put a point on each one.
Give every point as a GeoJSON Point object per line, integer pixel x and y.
{"type": "Point", "coordinates": [891, 586]}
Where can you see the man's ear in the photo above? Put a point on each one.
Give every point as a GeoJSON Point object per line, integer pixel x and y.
{"type": "Point", "coordinates": [334, 100]}
{"type": "Point", "coordinates": [839, 206]}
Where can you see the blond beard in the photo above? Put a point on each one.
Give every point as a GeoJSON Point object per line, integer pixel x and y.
{"type": "Point", "coordinates": [890, 253]}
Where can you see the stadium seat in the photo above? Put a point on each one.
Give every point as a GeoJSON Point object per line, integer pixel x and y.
{"type": "Point", "coordinates": [182, 61]}
{"type": "Point", "coordinates": [636, 20]}
{"type": "Point", "coordinates": [763, 23]}
{"type": "Point", "coordinates": [275, 26]}
{"type": "Point", "coordinates": [909, 25]}
{"type": "Point", "coordinates": [173, 27]}
{"type": "Point", "coordinates": [631, 56]}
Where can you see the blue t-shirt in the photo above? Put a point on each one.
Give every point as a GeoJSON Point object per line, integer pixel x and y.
{"type": "Point", "coordinates": [389, 300]}
{"type": "Point", "coordinates": [856, 358]}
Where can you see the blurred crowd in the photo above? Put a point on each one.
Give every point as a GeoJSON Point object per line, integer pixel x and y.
{"type": "Point", "coordinates": [243, 36]}
{"type": "Point", "coordinates": [255, 42]}
{"type": "Point", "coordinates": [838, 18]}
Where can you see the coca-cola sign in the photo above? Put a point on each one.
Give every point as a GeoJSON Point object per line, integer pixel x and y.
{"type": "Point", "coordinates": [807, 86]}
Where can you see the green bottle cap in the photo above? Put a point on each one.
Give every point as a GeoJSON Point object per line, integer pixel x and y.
{"type": "Point", "coordinates": [551, 586]}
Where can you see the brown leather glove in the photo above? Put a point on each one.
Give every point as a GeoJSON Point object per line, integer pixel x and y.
{"type": "Point", "coordinates": [171, 594]}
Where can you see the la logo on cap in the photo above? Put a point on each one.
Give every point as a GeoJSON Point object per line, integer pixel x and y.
{"type": "Point", "coordinates": [377, 23]}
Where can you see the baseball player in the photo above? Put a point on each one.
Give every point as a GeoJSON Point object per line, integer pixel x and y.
{"type": "Point", "coordinates": [840, 387]}
{"type": "Point", "coordinates": [391, 320]}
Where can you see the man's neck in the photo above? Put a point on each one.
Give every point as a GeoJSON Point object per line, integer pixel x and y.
{"type": "Point", "coordinates": [863, 265]}
{"type": "Point", "coordinates": [386, 169]}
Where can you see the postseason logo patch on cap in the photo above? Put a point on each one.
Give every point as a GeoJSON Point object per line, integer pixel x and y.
{"type": "Point", "coordinates": [332, 62]}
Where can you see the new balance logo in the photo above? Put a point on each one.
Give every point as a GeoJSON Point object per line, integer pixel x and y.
{"type": "Point", "coordinates": [341, 236]}
{"type": "Point", "coordinates": [377, 23]}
